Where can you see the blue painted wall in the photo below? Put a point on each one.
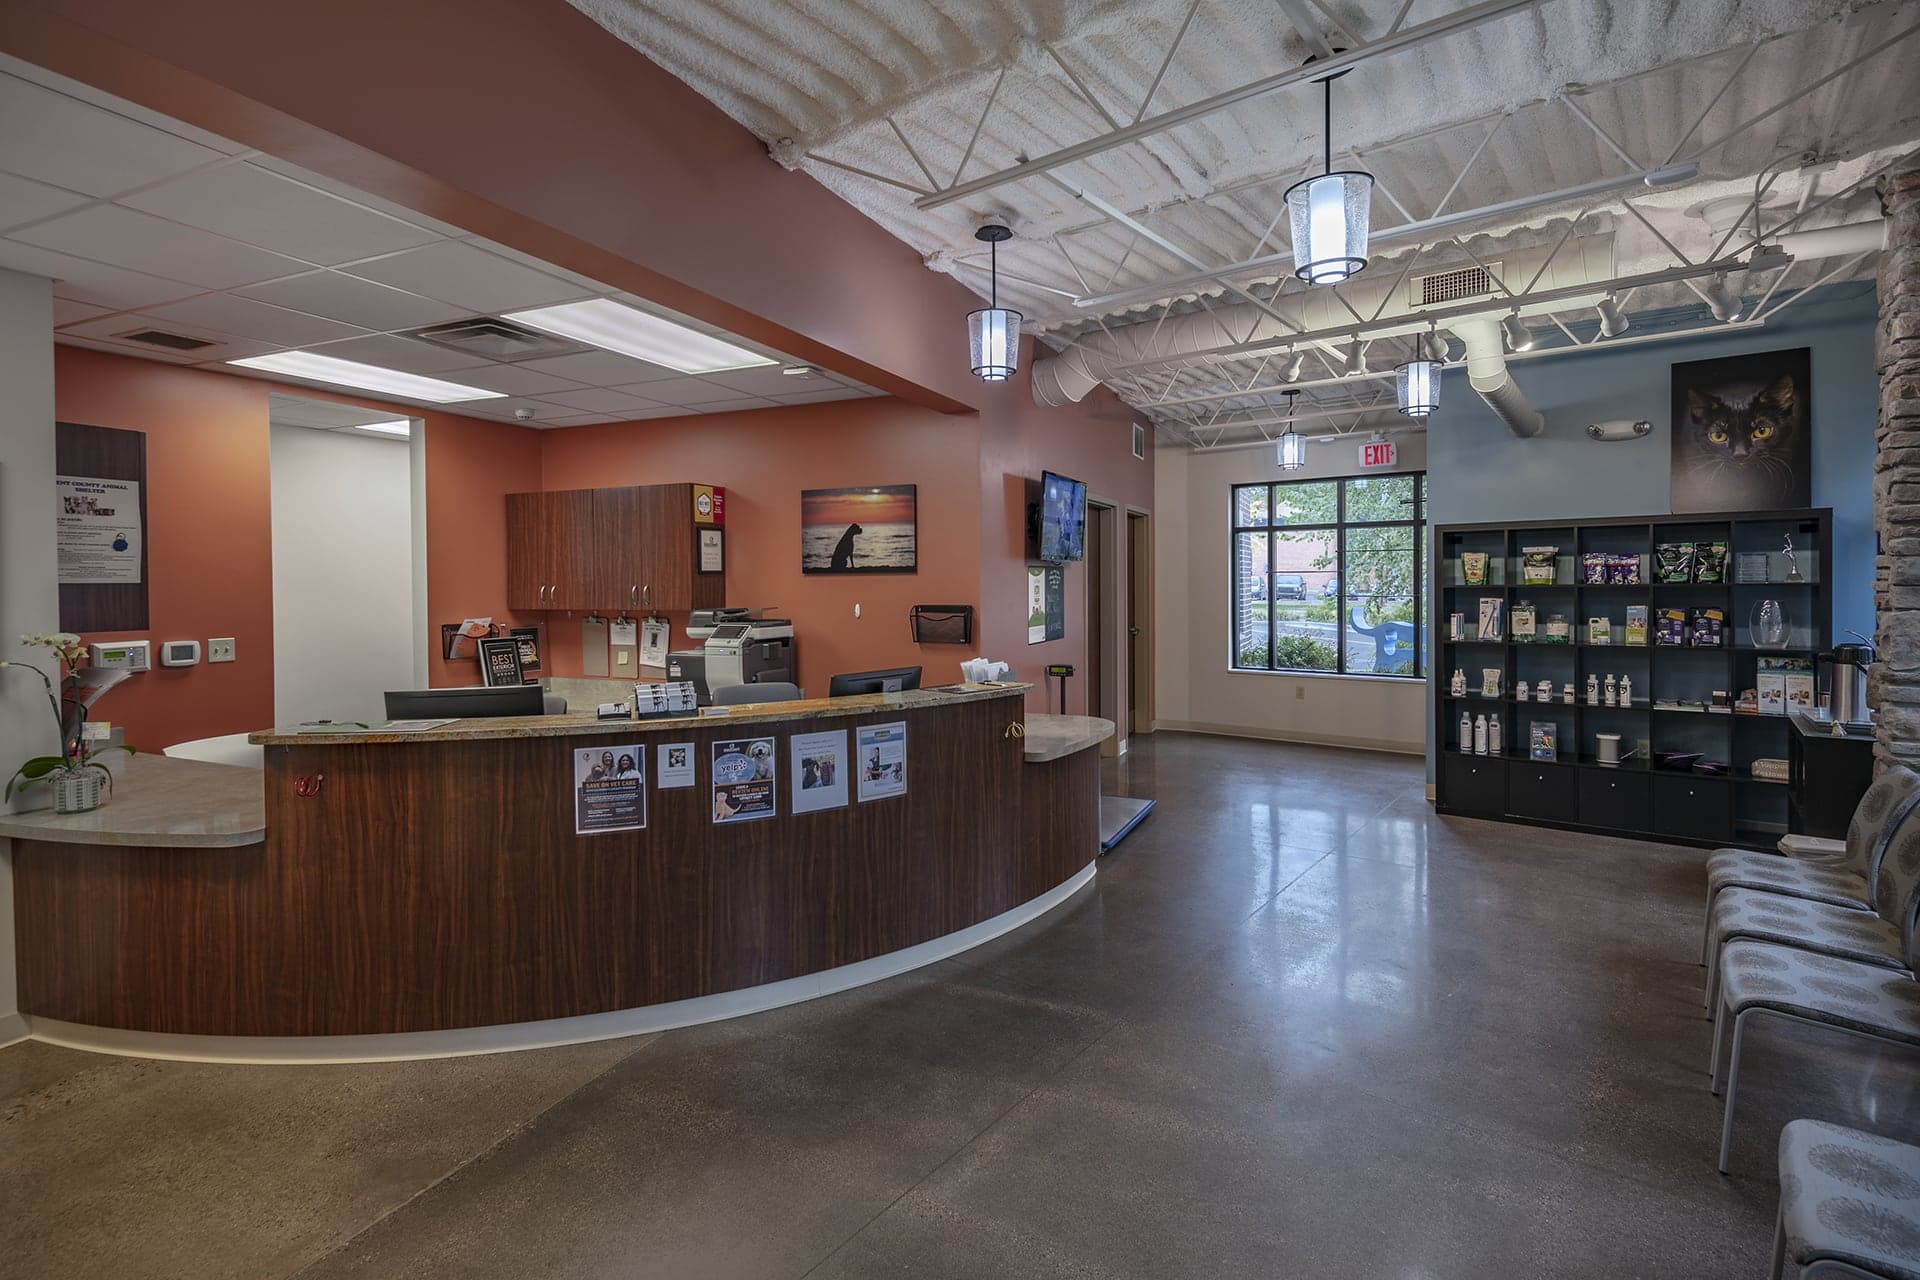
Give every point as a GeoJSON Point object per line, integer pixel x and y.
{"type": "Point", "coordinates": [1478, 471]}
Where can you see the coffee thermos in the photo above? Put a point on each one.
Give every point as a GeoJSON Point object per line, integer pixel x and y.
{"type": "Point", "coordinates": [1847, 704]}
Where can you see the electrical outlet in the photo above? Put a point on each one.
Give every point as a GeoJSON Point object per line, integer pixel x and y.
{"type": "Point", "coordinates": [220, 650]}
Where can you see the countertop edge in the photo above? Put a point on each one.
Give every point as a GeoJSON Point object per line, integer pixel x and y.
{"type": "Point", "coordinates": [1058, 737]}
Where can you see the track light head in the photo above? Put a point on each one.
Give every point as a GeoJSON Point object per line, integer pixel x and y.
{"type": "Point", "coordinates": [1433, 346]}
{"type": "Point", "coordinates": [1356, 358]}
{"type": "Point", "coordinates": [1613, 321]}
{"type": "Point", "coordinates": [1720, 300]}
{"type": "Point", "coordinates": [1519, 337]}
{"type": "Point", "coordinates": [1296, 365]}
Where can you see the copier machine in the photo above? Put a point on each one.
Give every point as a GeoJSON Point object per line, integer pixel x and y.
{"type": "Point", "coordinates": [737, 647]}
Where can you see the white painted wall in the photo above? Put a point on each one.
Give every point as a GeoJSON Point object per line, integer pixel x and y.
{"type": "Point", "coordinates": [29, 590]}
{"type": "Point", "coordinates": [1197, 690]}
{"type": "Point", "coordinates": [343, 597]}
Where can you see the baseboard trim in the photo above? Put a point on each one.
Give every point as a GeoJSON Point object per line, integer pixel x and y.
{"type": "Point", "coordinates": [13, 1029]}
{"type": "Point", "coordinates": [408, 1046]}
{"type": "Point", "coordinates": [1282, 735]}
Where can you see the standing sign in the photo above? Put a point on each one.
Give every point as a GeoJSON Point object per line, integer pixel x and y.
{"type": "Point", "coordinates": [97, 529]}
{"type": "Point", "coordinates": [1375, 454]}
{"type": "Point", "coordinates": [818, 762]}
{"type": "Point", "coordinates": [743, 781]}
{"type": "Point", "coordinates": [883, 760]}
{"type": "Point", "coordinates": [609, 789]}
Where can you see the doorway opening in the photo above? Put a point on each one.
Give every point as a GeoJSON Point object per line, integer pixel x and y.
{"type": "Point", "coordinates": [1139, 622]}
{"type": "Point", "coordinates": [1106, 649]}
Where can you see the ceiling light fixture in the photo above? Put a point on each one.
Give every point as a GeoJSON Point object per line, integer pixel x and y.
{"type": "Point", "coordinates": [315, 367]}
{"type": "Point", "coordinates": [801, 371]}
{"type": "Point", "coordinates": [1613, 321]}
{"type": "Point", "coordinates": [1519, 337]}
{"type": "Point", "coordinates": [1291, 450]}
{"type": "Point", "coordinates": [1725, 307]}
{"type": "Point", "coordinates": [1356, 363]}
{"type": "Point", "coordinates": [1328, 215]}
{"type": "Point", "coordinates": [1433, 346]}
{"type": "Point", "coordinates": [1296, 365]}
{"type": "Point", "coordinates": [1418, 384]}
{"type": "Point", "coordinates": [628, 331]}
{"type": "Point", "coordinates": [993, 332]}
{"type": "Point", "coordinates": [397, 427]}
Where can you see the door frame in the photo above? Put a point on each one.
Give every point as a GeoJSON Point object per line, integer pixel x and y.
{"type": "Point", "coordinates": [1103, 517]}
{"type": "Point", "coordinates": [1140, 639]}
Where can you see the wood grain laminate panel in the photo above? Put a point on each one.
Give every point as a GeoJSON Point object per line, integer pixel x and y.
{"type": "Point", "coordinates": [440, 885]}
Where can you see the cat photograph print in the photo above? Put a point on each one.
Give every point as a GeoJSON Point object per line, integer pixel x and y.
{"type": "Point", "coordinates": [1742, 433]}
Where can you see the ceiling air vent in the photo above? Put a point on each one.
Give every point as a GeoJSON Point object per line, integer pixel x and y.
{"type": "Point", "coordinates": [1456, 284]}
{"type": "Point", "coordinates": [492, 338]}
{"type": "Point", "coordinates": [161, 338]}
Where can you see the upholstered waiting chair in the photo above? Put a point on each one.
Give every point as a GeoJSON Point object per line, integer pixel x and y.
{"type": "Point", "coordinates": [1861, 1000]}
{"type": "Point", "coordinates": [1879, 937]}
{"type": "Point", "coordinates": [1843, 882]}
{"type": "Point", "coordinates": [1849, 1204]}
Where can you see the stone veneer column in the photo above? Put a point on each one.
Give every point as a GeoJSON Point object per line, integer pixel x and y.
{"type": "Point", "coordinates": [1893, 685]}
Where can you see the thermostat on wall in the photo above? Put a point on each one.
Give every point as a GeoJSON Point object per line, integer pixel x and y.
{"type": "Point", "coordinates": [123, 655]}
{"type": "Point", "coordinates": [179, 653]}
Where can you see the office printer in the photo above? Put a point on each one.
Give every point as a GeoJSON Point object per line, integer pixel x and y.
{"type": "Point", "coordinates": [737, 647]}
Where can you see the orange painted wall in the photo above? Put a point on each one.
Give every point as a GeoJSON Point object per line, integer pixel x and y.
{"type": "Point", "coordinates": [764, 459]}
{"type": "Point", "coordinates": [210, 554]}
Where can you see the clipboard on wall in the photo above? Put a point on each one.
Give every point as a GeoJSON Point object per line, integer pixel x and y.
{"type": "Point", "coordinates": [623, 647]}
{"type": "Point", "coordinates": [593, 646]}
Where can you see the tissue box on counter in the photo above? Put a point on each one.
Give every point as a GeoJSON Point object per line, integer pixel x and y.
{"type": "Point", "coordinates": [984, 671]}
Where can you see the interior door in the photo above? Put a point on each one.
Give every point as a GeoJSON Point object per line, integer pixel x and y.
{"type": "Point", "coordinates": [1139, 623]}
{"type": "Point", "coordinates": [1097, 605]}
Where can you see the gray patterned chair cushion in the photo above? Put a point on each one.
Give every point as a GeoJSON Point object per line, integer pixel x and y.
{"type": "Point", "coordinates": [1791, 877]}
{"type": "Point", "coordinates": [1841, 993]}
{"type": "Point", "coordinates": [1885, 803]}
{"type": "Point", "coordinates": [1810, 926]}
{"type": "Point", "coordinates": [1898, 878]}
{"type": "Point", "coordinates": [1852, 1197]}
{"type": "Point", "coordinates": [1720, 857]}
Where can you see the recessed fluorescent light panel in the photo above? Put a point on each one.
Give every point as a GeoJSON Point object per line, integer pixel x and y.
{"type": "Point", "coordinates": [398, 427]}
{"type": "Point", "coordinates": [606, 324]}
{"type": "Point", "coordinates": [364, 377]}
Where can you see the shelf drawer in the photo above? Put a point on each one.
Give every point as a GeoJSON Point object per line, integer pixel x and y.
{"type": "Point", "coordinates": [1614, 798]}
{"type": "Point", "coordinates": [1474, 784]}
{"type": "Point", "coordinates": [1543, 791]}
{"type": "Point", "coordinates": [1690, 808]}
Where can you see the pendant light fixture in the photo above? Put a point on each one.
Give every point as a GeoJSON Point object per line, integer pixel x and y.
{"type": "Point", "coordinates": [993, 332]}
{"type": "Point", "coordinates": [1328, 215]}
{"type": "Point", "coordinates": [1418, 382]}
{"type": "Point", "coordinates": [1291, 448]}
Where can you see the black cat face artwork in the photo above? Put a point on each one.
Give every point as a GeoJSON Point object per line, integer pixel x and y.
{"type": "Point", "coordinates": [1740, 434]}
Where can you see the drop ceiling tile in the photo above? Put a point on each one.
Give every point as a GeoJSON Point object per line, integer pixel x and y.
{"type": "Point", "coordinates": [404, 354]}
{"type": "Point", "coordinates": [647, 414]}
{"type": "Point", "coordinates": [348, 192]}
{"type": "Point", "coordinates": [683, 390]}
{"type": "Point", "coordinates": [517, 380]}
{"type": "Point", "coordinates": [60, 140]}
{"type": "Point", "coordinates": [600, 400]}
{"type": "Point", "coordinates": [94, 282]}
{"type": "Point", "coordinates": [540, 409]}
{"type": "Point", "coordinates": [351, 300]}
{"type": "Point", "coordinates": [301, 411]}
{"type": "Point", "coordinates": [767, 380]}
{"type": "Point", "coordinates": [582, 420]}
{"type": "Point", "coordinates": [585, 284]}
{"type": "Point", "coordinates": [821, 395]}
{"type": "Point", "coordinates": [245, 318]}
{"type": "Point", "coordinates": [23, 201]}
{"type": "Point", "coordinates": [224, 348]}
{"type": "Point", "coordinates": [141, 242]}
{"type": "Point", "coordinates": [603, 369]}
{"type": "Point", "coordinates": [250, 204]}
{"type": "Point", "coordinates": [458, 273]}
{"type": "Point", "coordinates": [731, 406]}
{"type": "Point", "coordinates": [67, 311]}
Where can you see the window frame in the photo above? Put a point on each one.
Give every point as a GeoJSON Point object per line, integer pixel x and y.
{"type": "Point", "coordinates": [1414, 525]}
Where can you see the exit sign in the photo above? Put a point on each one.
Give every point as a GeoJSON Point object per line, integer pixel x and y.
{"type": "Point", "coordinates": [1378, 453]}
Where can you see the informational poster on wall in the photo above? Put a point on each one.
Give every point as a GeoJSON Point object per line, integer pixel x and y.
{"type": "Point", "coordinates": [743, 781]}
{"type": "Point", "coordinates": [97, 529]}
{"type": "Point", "coordinates": [883, 760]}
{"type": "Point", "coordinates": [653, 642]}
{"type": "Point", "coordinates": [1046, 603]}
{"type": "Point", "coordinates": [609, 789]}
{"type": "Point", "coordinates": [676, 766]}
{"type": "Point", "coordinates": [819, 767]}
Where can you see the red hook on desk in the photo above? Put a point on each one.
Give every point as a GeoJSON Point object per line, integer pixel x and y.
{"type": "Point", "coordinates": [306, 786]}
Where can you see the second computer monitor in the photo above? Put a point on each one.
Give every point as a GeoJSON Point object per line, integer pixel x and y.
{"type": "Point", "coordinates": [892, 681]}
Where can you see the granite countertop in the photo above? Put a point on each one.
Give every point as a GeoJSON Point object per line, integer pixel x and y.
{"type": "Point", "coordinates": [163, 802]}
{"type": "Point", "coordinates": [1051, 737]}
{"type": "Point", "coordinates": [575, 725]}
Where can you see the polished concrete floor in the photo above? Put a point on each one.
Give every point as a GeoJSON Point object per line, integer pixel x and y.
{"type": "Point", "coordinates": [1299, 1026]}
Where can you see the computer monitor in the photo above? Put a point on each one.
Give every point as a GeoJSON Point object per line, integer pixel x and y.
{"type": "Point", "coordinates": [852, 682]}
{"type": "Point", "coordinates": [471, 703]}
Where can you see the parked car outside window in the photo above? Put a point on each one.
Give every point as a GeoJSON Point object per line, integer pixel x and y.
{"type": "Point", "coordinates": [1289, 586]}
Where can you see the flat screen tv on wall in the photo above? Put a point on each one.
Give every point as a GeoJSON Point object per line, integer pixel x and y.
{"type": "Point", "coordinates": [1060, 534]}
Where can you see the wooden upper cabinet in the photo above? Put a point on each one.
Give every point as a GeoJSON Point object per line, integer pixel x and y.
{"type": "Point", "coordinates": [630, 549]}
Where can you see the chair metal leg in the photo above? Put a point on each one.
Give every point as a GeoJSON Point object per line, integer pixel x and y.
{"type": "Point", "coordinates": [1706, 929]}
{"type": "Point", "coordinates": [1719, 1037]}
{"type": "Point", "coordinates": [1779, 1266]}
{"type": "Point", "coordinates": [1733, 1087]}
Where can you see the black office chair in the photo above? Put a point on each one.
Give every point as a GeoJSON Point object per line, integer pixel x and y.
{"type": "Point", "coordinates": [740, 695]}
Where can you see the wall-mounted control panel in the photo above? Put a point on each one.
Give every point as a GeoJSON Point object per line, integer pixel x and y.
{"type": "Point", "coordinates": [179, 653]}
{"type": "Point", "coordinates": [122, 655]}
{"type": "Point", "coordinates": [220, 649]}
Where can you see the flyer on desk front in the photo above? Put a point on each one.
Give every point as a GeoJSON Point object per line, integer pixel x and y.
{"type": "Point", "coordinates": [743, 781]}
{"type": "Point", "coordinates": [883, 760]}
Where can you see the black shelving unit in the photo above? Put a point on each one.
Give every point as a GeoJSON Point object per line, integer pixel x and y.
{"type": "Point", "coordinates": [1575, 791]}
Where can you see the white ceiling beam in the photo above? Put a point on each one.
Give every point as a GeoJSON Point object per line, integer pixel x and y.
{"type": "Point", "coordinates": [1450, 24]}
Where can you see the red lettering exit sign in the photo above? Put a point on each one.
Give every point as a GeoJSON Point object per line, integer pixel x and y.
{"type": "Point", "coordinates": [1378, 453]}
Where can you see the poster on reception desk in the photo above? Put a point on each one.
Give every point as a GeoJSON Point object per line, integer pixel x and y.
{"type": "Point", "coordinates": [609, 789]}
{"type": "Point", "coordinates": [97, 529]}
{"type": "Point", "coordinates": [819, 765]}
{"type": "Point", "coordinates": [883, 760]}
{"type": "Point", "coordinates": [743, 781]}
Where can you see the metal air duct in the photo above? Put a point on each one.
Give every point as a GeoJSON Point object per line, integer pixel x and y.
{"type": "Point", "coordinates": [1491, 380]}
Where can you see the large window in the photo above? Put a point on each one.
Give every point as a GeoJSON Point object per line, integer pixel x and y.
{"type": "Point", "coordinates": [1330, 575]}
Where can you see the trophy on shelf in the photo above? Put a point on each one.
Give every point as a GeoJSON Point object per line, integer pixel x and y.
{"type": "Point", "coordinates": [1793, 565]}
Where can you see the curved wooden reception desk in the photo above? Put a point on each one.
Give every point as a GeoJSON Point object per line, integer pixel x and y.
{"type": "Point", "coordinates": [427, 893]}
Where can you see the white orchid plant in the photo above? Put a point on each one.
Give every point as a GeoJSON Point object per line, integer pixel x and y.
{"type": "Point", "coordinates": [69, 709]}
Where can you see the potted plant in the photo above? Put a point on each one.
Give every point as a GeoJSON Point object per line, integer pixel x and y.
{"type": "Point", "coordinates": [79, 780]}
